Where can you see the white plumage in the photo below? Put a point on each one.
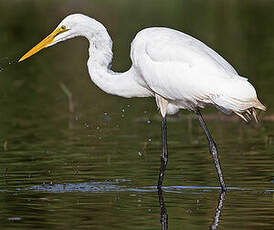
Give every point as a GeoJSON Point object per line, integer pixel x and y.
{"type": "Point", "coordinates": [188, 74]}
{"type": "Point", "coordinates": [166, 63]}
{"type": "Point", "coordinates": [180, 71]}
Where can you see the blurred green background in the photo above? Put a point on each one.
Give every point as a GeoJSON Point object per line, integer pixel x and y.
{"type": "Point", "coordinates": [54, 161]}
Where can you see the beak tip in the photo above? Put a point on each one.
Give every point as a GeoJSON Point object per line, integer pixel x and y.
{"type": "Point", "coordinates": [21, 59]}
{"type": "Point", "coordinates": [43, 44]}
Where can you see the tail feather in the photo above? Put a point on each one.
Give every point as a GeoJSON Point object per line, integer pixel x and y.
{"type": "Point", "coordinates": [254, 114]}
{"type": "Point", "coordinates": [241, 115]}
{"type": "Point", "coordinates": [251, 111]}
{"type": "Point", "coordinates": [259, 105]}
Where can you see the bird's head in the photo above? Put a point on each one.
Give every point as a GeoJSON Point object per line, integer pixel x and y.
{"type": "Point", "coordinates": [71, 26]}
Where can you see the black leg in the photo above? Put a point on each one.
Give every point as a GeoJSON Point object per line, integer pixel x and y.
{"type": "Point", "coordinates": [164, 156]}
{"type": "Point", "coordinates": [213, 150]}
{"type": "Point", "coordinates": [163, 214]}
{"type": "Point", "coordinates": [215, 223]}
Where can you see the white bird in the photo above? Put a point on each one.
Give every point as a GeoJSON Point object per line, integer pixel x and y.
{"type": "Point", "coordinates": [178, 70]}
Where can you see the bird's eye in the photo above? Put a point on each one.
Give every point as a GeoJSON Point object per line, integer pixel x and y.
{"type": "Point", "coordinates": [63, 27]}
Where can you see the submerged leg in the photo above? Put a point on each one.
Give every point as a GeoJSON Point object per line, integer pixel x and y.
{"type": "Point", "coordinates": [215, 223]}
{"type": "Point", "coordinates": [163, 216]}
{"type": "Point", "coordinates": [213, 150]}
{"type": "Point", "coordinates": [164, 156]}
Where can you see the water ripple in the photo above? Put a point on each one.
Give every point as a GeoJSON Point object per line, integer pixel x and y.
{"type": "Point", "coordinates": [108, 186]}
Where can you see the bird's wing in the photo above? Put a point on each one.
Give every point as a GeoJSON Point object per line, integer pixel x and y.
{"type": "Point", "coordinates": [164, 44]}
{"type": "Point", "coordinates": [178, 66]}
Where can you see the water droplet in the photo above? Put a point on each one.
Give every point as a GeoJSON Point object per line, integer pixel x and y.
{"type": "Point", "coordinates": [97, 127]}
{"type": "Point", "coordinates": [123, 115]}
{"type": "Point", "coordinates": [106, 117]}
{"type": "Point", "coordinates": [149, 121]}
{"type": "Point", "coordinates": [149, 139]}
{"type": "Point", "coordinates": [123, 110]}
{"type": "Point", "coordinates": [140, 154]}
{"type": "Point", "coordinates": [5, 62]}
{"type": "Point", "coordinates": [188, 211]}
{"type": "Point", "coordinates": [128, 106]}
{"type": "Point", "coordinates": [14, 218]}
{"type": "Point", "coordinates": [145, 112]}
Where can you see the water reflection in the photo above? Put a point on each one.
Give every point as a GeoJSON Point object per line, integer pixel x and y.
{"type": "Point", "coordinates": [164, 215]}
{"type": "Point", "coordinates": [218, 211]}
{"type": "Point", "coordinates": [190, 207]}
{"type": "Point", "coordinates": [121, 185]}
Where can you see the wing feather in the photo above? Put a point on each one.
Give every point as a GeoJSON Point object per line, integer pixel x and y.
{"type": "Point", "coordinates": [179, 67]}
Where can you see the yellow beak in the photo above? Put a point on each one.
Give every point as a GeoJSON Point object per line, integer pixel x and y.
{"type": "Point", "coordinates": [48, 40]}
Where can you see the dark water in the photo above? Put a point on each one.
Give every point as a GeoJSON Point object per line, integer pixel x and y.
{"type": "Point", "coordinates": [95, 166]}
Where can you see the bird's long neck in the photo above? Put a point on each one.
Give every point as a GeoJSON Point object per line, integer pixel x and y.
{"type": "Point", "coordinates": [99, 66]}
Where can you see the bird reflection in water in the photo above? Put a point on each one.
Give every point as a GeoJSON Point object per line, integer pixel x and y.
{"type": "Point", "coordinates": [164, 215]}
{"type": "Point", "coordinates": [218, 211]}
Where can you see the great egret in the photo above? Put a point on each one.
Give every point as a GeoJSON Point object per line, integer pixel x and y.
{"type": "Point", "coordinates": [178, 70]}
